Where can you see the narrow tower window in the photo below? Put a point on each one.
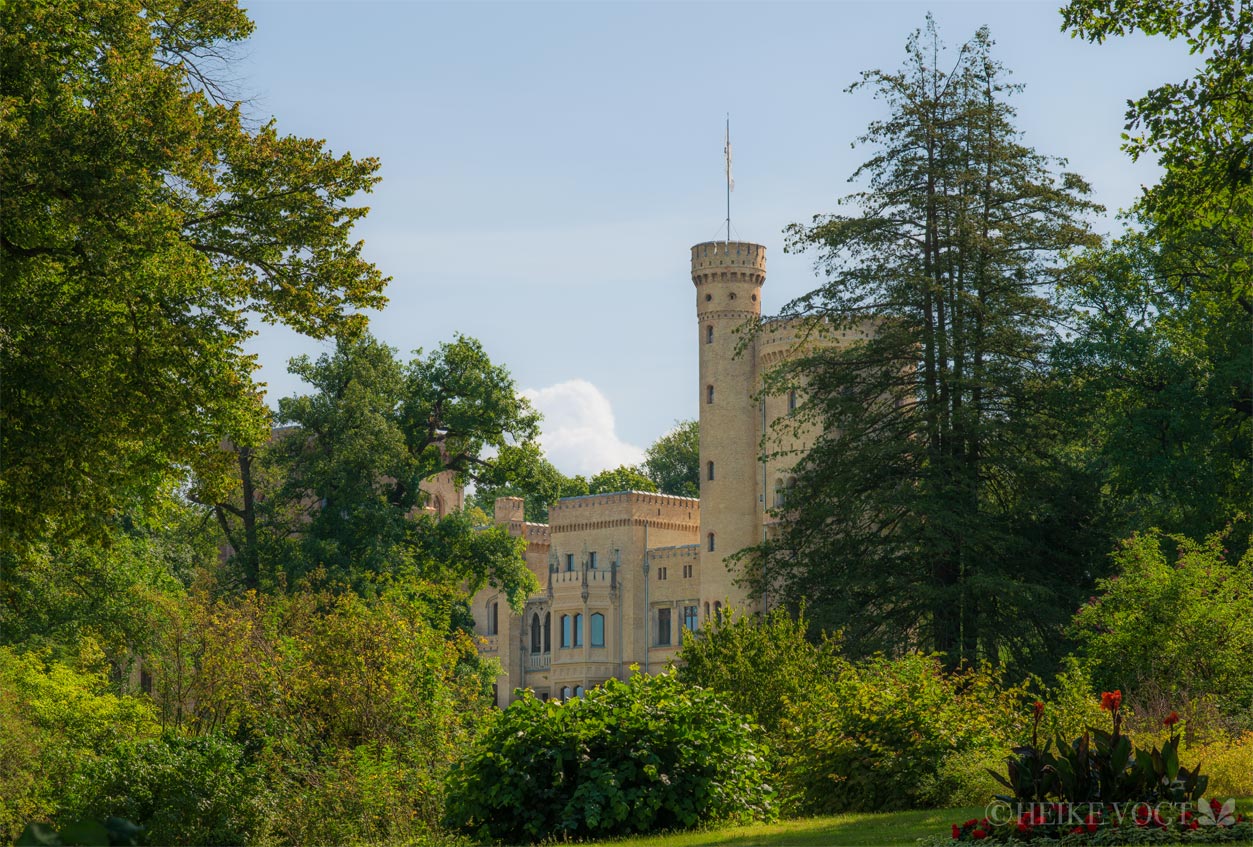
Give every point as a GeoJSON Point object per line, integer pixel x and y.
{"type": "Point", "coordinates": [791, 400]}
{"type": "Point", "coordinates": [548, 632]}
{"type": "Point", "coordinates": [578, 630]}
{"type": "Point", "coordinates": [709, 334]}
{"type": "Point", "coordinates": [709, 393]}
{"type": "Point", "coordinates": [711, 542]}
{"type": "Point", "coordinates": [493, 619]}
{"type": "Point", "coordinates": [536, 641]}
{"type": "Point", "coordinates": [598, 629]}
{"type": "Point", "coordinates": [711, 471]}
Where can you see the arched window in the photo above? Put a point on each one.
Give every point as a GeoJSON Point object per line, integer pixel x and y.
{"type": "Point", "coordinates": [578, 630]}
{"type": "Point", "coordinates": [493, 618]}
{"type": "Point", "coordinates": [438, 503]}
{"type": "Point", "coordinates": [706, 610]}
{"type": "Point", "coordinates": [598, 629]}
{"type": "Point", "coordinates": [791, 400]}
{"type": "Point", "coordinates": [711, 542]}
{"type": "Point", "coordinates": [709, 334]}
{"type": "Point", "coordinates": [565, 630]}
{"type": "Point", "coordinates": [578, 691]}
{"type": "Point", "coordinates": [718, 611]}
{"type": "Point", "coordinates": [710, 470]}
{"type": "Point", "coordinates": [709, 393]}
{"type": "Point", "coordinates": [565, 693]}
{"type": "Point", "coordinates": [548, 632]}
{"type": "Point", "coordinates": [536, 638]}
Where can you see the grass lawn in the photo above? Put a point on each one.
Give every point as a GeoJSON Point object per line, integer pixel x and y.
{"type": "Point", "coordinates": [859, 830]}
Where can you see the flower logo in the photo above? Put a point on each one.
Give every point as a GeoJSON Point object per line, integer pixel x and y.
{"type": "Point", "coordinates": [1213, 813]}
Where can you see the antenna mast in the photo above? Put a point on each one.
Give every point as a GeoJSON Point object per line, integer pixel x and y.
{"type": "Point", "coordinates": [730, 181]}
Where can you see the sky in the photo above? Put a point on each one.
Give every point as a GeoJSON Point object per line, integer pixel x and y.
{"type": "Point", "coordinates": [546, 166]}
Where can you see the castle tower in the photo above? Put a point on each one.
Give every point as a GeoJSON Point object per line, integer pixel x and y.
{"type": "Point", "coordinates": [728, 278]}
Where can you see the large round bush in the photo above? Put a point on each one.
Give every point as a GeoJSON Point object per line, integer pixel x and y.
{"type": "Point", "coordinates": [648, 754]}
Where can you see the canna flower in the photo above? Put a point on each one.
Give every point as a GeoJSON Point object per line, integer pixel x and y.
{"type": "Point", "coordinates": [1171, 719]}
{"type": "Point", "coordinates": [957, 832]}
{"type": "Point", "coordinates": [1111, 700]}
{"type": "Point", "coordinates": [1039, 708]}
{"type": "Point", "coordinates": [978, 835]}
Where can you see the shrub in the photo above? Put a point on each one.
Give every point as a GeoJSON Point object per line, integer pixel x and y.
{"type": "Point", "coordinates": [55, 718]}
{"type": "Point", "coordinates": [181, 790]}
{"type": "Point", "coordinates": [891, 734]}
{"type": "Point", "coordinates": [648, 754]}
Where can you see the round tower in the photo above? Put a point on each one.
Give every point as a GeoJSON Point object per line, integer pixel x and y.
{"type": "Point", "coordinates": [728, 278]}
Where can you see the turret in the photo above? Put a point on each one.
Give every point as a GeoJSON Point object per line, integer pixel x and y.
{"type": "Point", "coordinates": [728, 277]}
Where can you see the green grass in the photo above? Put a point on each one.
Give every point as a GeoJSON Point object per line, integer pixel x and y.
{"type": "Point", "coordinates": [854, 830]}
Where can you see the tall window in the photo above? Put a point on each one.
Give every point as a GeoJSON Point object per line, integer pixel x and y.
{"type": "Point", "coordinates": [709, 334]}
{"type": "Point", "coordinates": [578, 691]}
{"type": "Point", "coordinates": [711, 542]}
{"type": "Point", "coordinates": [709, 393]}
{"type": "Point", "coordinates": [663, 627]}
{"type": "Point", "coordinates": [706, 610]}
{"type": "Point", "coordinates": [578, 630]}
{"type": "Point", "coordinates": [791, 400]}
{"type": "Point", "coordinates": [565, 631]}
{"type": "Point", "coordinates": [548, 632]}
{"type": "Point", "coordinates": [690, 620]}
{"type": "Point", "coordinates": [710, 471]}
{"type": "Point", "coordinates": [598, 629]}
{"type": "Point", "coordinates": [565, 693]}
{"type": "Point", "coordinates": [493, 619]}
{"type": "Point", "coordinates": [569, 561]}
{"type": "Point", "coordinates": [591, 559]}
{"type": "Point", "coordinates": [718, 611]}
{"type": "Point", "coordinates": [536, 636]}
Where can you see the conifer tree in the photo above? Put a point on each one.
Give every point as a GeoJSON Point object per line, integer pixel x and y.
{"type": "Point", "coordinates": [932, 512]}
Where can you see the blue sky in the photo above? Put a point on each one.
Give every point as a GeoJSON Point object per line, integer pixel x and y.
{"type": "Point", "coordinates": [547, 165]}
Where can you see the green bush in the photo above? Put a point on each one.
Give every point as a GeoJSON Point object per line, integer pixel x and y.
{"type": "Point", "coordinates": [181, 790]}
{"type": "Point", "coordinates": [648, 754]}
{"type": "Point", "coordinates": [889, 734]}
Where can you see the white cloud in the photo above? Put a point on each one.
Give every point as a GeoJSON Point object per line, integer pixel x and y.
{"type": "Point", "coordinates": [578, 429]}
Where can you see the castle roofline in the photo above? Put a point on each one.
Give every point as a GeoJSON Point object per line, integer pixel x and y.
{"type": "Point", "coordinates": [652, 495]}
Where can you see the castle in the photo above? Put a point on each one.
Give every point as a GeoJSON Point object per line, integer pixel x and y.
{"type": "Point", "coordinates": [623, 574]}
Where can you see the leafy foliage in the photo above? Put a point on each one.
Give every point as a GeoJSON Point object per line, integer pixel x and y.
{"type": "Point", "coordinates": [673, 460]}
{"type": "Point", "coordinates": [621, 478]}
{"type": "Point", "coordinates": [180, 790]}
{"type": "Point", "coordinates": [531, 477]}
{"type": "Point", "coordinates": [137, 207]}
{"type": "Point", "coordinates": [1176, 616]}
{"type": "Point", "coordinates": [651, 753]}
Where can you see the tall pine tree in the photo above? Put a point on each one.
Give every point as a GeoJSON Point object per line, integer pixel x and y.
{"type": "Point", "coordinates": [933, 512]}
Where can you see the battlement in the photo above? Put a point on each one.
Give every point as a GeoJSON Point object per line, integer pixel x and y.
{"type": "Point", "coordinates": [725, 255]}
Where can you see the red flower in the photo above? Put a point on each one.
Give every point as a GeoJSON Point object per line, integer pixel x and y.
{"type": "Point", "coordinates": [1111, 700]}
{"type": "Point", "coordinates": [1022, 827]}
{"type": "Point", "coordinates": [978, 834]}
{"type": "Point", "coordinates": [971, 822]}
{"type": "Point", "coordinates": [1171, 719]}
{"type": "Point", "coordinates": [1077, 831]}
{"type": "Point", "coordinates": [957, 831]}
{"type": "Point", "coordinates": [1039, 708]}
{"type": "Point", "coordinates": [1194, 825]}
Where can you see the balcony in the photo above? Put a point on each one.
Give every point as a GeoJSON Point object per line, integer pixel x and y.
{"type": "Point", "coordinates": [538, 661]}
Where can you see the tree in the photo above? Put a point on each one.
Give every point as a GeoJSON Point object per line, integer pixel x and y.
{"type": "Point", "coordinates": [621, 478]}
{"type": "Point", "coordinates": [531, 477]}
{"type": "Point", "coordinates": [348, 470]}
{"type": "Point", "coordinates": [673, 460]}
{"type": "Point", "coordinates": [1163, 340]}
{"type": "Point", "coordinates": [141, 223]}
{"type": "Point", "coordinates": [934, 510]}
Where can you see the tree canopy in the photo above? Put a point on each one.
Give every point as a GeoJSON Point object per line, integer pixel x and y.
{"type": "Point", "coordinates": [673, 460]}
{"type": "Point", "coordinates": [922, 516]}
{"type": "Point", "coordinates": [143, 224]}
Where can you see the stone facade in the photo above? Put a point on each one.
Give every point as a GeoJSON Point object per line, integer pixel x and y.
{"type": "Point", "coordinates": [623, 574]}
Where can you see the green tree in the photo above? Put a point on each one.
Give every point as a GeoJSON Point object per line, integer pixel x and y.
{"type": "Point", "coordinates": [621, 478]}
{"type": "Point", "coordinates": [346, 472]}
{"type": "Point", "coordinates": [673, 460]}
{"type": "Point", "coordinates": [922, 516]}
{"type": "Point", "coordinates": [141, 222]}
{"type": "Point", "coordinates": [533, 478]}
{"type": "Point", "coordinates": [1176, 618]}
{"type": "Point", "coordinates": [1164, 346]}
